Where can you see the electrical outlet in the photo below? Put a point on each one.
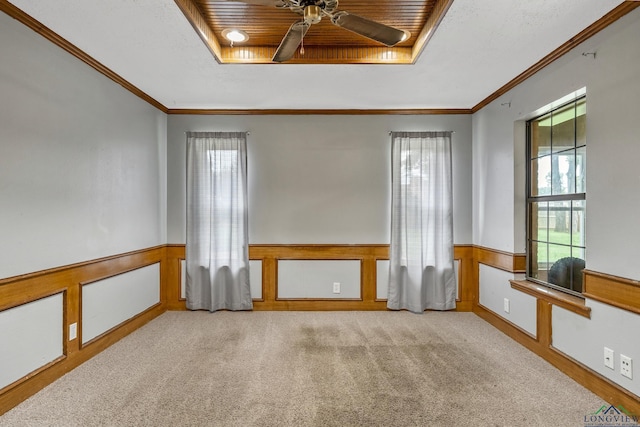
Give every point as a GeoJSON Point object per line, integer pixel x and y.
{"type": "Point", "coordinates": [625, 366]}
{"type": "Point", "coordinates": [608, 358]}
{"type": "Point", "coordinates": [73, 331]}
{"type": "Point", "coordinates": [336, 287]}
{"type": "Point", "coordinates": [506, 305]}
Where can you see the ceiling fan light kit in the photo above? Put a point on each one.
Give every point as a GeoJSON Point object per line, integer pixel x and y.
{"type": "Point", "coordinates": [312, 12]}
{"type": "Point", "coordinates": [235, 35]}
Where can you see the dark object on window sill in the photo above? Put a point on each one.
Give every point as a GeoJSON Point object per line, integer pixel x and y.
{"type": "Point", "coordinates": [567, 272]}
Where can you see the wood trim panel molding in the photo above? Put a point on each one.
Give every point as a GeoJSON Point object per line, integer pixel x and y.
{"type": "Point", "coordinates": [67, 280]}
{"type": "Point", "coordinates": [171, 289]}
{"type": "Point", "coordinates": [18, 290]}
{"type": "Point", "coordinates": [619, 292]}
{"type": "Point", "coordinates": [368, 255]}
{"type": "Point", "coordinates": [601, 386]}
{"type": "Point", "coordinates": [512, 263]}
{"type": "Point", "coordinates": [613, 290]}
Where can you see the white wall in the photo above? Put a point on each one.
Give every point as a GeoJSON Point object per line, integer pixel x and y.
{"type": "Point", "coordinates": [612, 234]}
{"type": "Point", "coordinates": [82, 160]}
{"type": "Point", "coordinates": [107, 303]}
{"type": "Point", "coordinates": [319, 179]}
{"type": "Point", "coordinates": [82, 176]}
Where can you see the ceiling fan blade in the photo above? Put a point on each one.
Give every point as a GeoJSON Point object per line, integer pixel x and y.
{"type": "Point", "coordinates": [290, 42]}
{"type": "Point", "coordinates": [272, 3]}
{"type": "Point", "coordinates": [367, 28]}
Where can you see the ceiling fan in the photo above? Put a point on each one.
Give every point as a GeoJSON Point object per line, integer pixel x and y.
{"type": "Point", "coordinates": [312, 12]}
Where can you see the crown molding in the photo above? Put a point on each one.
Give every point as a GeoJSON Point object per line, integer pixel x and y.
{"type": "Point", "coordinates": [63, 43]}
{"type": "Point", "coordinates": [602, 23]}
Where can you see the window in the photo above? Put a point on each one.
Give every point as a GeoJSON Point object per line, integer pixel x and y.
{"type": "Point", "coordinates": [556, 196]}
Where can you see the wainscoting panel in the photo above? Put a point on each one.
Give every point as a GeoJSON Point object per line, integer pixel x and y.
{"type": "Point", "coordinates": [563, 325]}
{"type": "Point", "coordinates": [495, 287]}
{"type": "Point", "coordinates": [183, 279]}
{"type": "Point", "coordinates": [382, 282]}
{"type": "Point", "coordinates": [255, 277]}
{"type": "Point", "coordinates": [314, 279]}
{"type": "Point", "coordinates": [31, 336]}
{"type": "Point", "coordinates": [109, 302]}
{"type": "Point", "coordinates": [456, 270]}
{"type": "Point", "coordinates": [44, 305]}
{"type": "Point", "coordinates": [584, 339]}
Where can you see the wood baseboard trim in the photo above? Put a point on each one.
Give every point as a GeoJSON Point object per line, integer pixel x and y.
{"type": "Point", "coordinates": [68, 280]}
{"type": "Point", "coordinates": [601, 386]}
{"type": "Point", "coordinates": [26, 387]}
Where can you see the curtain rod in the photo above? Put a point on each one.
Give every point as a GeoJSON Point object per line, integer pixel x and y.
{"type": "Point", "coordinates": [451, 131]}
{"type": "Point", "coordinates": [186, 132]}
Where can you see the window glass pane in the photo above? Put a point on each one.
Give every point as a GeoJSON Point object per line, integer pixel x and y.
{"type": "Point", "coordinates": [578, 253]}
{"type": "Point", "coordinates": [581, 165]}
{"type": "Point", "coordinates": [541, 176]}
{"type": "Point", "coordinates": [534, 259]}
{"type": "Point", "coordinates": [559, 257]}
{"type": "Point", "coordinates": [577, 266]}
{"type": "Point", "coordinates": [581, 123]}
{"type": "Point", "coordinates": [578, 223]}
{"type": "Point", "coordinates": [540, 136]}
{"type": "Point", "coordinates": [567, 273]}
{"type": "Point", "coordinates": [563, 127]}
{"type": "Point", "coordinates": [539, 220]}
{"type": "Point", "coordinates": [563, 173]}
{"type": "Point", "coordinates": [559, 222]}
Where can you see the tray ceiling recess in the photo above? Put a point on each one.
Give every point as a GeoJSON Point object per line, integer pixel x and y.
{"type": "Point", "coordinates": [268, 23]}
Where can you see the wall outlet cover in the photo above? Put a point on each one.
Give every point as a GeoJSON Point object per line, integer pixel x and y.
{"type": "Point", "coordinates": [608, 358]}
{"type": "Point", "coordinates": [73, 331]}
{"type": "Point", "coordinates": [507, 307]}
{"type": "Point", "coordinates": [626, 368]}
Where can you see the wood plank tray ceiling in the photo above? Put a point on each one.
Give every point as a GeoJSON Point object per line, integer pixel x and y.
{"type": "Point", "coordinates": [324, 43]}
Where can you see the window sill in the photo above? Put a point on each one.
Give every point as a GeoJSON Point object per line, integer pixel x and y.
{"type": "Point", "coordinates": [552, 296]}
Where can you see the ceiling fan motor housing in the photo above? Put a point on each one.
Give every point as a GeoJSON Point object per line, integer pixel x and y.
{"type": "Point", "coordinates": [300, 6]}
{"type": "Point", "coordinates": [312, 14]}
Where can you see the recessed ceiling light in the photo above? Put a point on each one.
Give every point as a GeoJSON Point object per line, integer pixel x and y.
{"type": "Point", "coordinates": [405, 36]}
{"type": "Point", "coordinates": [235, 36]}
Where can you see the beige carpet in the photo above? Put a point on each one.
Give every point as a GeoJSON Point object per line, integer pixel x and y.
{"type": "Point", "coordinates": [311, 369]}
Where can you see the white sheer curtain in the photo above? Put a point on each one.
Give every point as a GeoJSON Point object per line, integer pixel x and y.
{"type": "Point", "coordinates": [421, 273]}
{"type": "Point", "coordinates": [217, 252]}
